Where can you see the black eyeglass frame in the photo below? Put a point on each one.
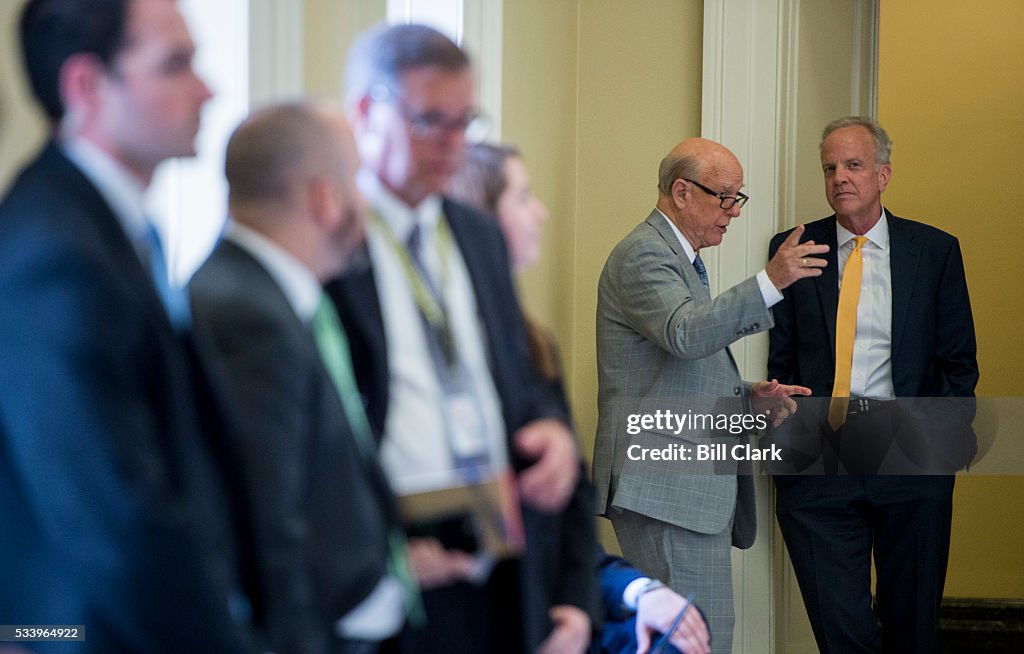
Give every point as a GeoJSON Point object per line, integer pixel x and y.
{"type": "Point", "coordinates": [724, 201]}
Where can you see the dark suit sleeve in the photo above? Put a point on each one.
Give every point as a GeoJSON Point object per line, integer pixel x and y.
{"type": "Point", "coordinates": [576, 583]}
{"type": "Point", "coordinates": [615, 574]}
{"type": "Point", "coordinates": [782, 349]}
{"type": "Point", "coordinates": [269, 373]}
{"type": "Point", "coordinates": [79, 380]}
{"type": "Point", "coordinates": [955, 345]}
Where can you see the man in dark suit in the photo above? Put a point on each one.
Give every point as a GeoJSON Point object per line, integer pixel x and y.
{"type": "Point", "coordinates": [321, 507]}
{"type": "Point", "coordinates": [890, 318]}
{"type": "Point", "coordinates": [116, 513]}
{"type": "Point", "coordinates": [440, 350]}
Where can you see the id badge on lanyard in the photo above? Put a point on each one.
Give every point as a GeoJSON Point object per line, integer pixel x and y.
{"type": "Point", "coordinates": [465, 424]}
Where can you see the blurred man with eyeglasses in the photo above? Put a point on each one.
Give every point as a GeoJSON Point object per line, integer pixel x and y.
{"type": "Point", "coordinates": [439, 350]}
{"type": "Point", "coordinates": [663, 344]}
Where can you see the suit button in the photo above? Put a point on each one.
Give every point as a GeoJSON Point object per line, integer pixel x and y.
{"type": "Point", "coordinates": [757, 325]}
{"type": "Point", "coordinates": [736, 390]}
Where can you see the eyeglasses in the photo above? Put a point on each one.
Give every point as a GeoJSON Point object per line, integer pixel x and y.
{"type": "Point", "coordinates": [725, 201]}
{"type": "Point", "coordinates": [434, 125]}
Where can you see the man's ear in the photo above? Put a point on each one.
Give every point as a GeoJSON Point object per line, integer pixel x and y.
{"type": "Point", "coordinates": [80, 80]}
{"type": "Point", "coordinates": [324, 203]}
{"type": "Point", "coordinates": [884, 175]}
{"type": "Point", "coordinates": [679, 191]}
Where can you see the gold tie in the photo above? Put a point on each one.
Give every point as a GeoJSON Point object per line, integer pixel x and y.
{"type": "Point", "coordinates": [846, 330]}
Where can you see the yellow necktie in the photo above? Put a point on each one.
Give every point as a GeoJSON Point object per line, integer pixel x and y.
{"type": "Point", "coordinates": [846, 330]}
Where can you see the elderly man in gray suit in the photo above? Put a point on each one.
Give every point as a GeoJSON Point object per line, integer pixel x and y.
{"type": "Point", "coordinates": [662, 346]}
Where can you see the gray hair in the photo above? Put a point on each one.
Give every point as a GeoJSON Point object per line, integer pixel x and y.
{"type": "Point", "coordinates": [382, 54]}
{"type": "Point", "coordinates": [883, 144]}
{"type": "Point", "coordinates": [675, 167]}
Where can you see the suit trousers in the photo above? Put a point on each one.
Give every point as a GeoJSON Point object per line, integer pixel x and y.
{"type": "Point", "coordinates": [464, 618]}
{"type": "Point", "coordinates": [690, 563]}
{"type": "Point", "coordinates": [833, 524]}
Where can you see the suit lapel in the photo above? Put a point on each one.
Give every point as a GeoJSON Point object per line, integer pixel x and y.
{"type": "Point", "coordinates": [903, 263]}
{"type": "Point", "coordinates": [120, 250]}
{"type": "Point", "coordinates": [827, 284]}
{"type": "Point", "coordinates": [693, 282]}
{"type": "Point", "coordinates": [355, 294]}
{"type": "Point", "coordinates": [478, 260]}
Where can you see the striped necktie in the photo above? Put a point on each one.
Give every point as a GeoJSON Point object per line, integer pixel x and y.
{"type": "Point", "coordinates": [702, 271]}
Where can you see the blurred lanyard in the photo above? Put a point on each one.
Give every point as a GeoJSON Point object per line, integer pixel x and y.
{"type": "Point", "coordinates": [466, 429]}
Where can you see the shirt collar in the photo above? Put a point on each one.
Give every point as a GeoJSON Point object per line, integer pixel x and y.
{"type": "Point", "coordinates": [122, 191]}
{"type": "Point", "coordinates": [399, 216]}
{"type": "Point", "coordinates": [877, 235]}
{"type": "Point", "coordinates": [297, 282]}
{"type": "Point", "coordinates": [690, 254]}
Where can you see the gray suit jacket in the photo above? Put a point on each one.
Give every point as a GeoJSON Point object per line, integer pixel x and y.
{"type": "Point", "coordinates": [662, 344]}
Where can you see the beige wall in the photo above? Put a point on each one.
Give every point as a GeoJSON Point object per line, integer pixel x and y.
{"type": "Point", "coordinates": [639, 95]}
{"type": "Point", "coordinates": [329, 27]}
{"type": "Point", "coordinates": [540, 103]}
{"type": "Point", "coordinates": [951, 99]}
{"type": "Point", "coordinates": [22, 128]}
{"type": "Point", "coordinates": [595, 93]}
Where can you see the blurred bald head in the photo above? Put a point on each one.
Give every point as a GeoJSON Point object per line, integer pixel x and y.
{"type": "Point", "coordinates": [291, 176]}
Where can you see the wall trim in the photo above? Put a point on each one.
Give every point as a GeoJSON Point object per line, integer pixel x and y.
{"type": "Point", "coordinates": [743, 65]}
{"type": "Point", "coordinates": [482, 27]}
{"type": "Point", "coordinates": [275, 51]}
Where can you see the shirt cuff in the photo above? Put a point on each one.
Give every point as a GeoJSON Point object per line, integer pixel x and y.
{"type": "Point", "coordinates": [771, 295]}
{"type": "Point", "coordinates": [629, 596]}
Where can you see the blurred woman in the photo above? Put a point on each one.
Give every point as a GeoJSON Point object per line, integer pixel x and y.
{"type": "Point", "coordinates": [494, 180]}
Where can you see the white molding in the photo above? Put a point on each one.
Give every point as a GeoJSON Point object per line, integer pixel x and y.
{"type": "Point", "coordinates": [789, 85]}
{"type": "Point", "coordinates": [275, 50]}
{"type": "Point", "coordinates": [866, 57]}
{"type": "Point", "coordinates": [740, 108]}
{"type": "Point", "coordinates": [749, 102]}
{"type": "Point", "coordinates": [482, 37]}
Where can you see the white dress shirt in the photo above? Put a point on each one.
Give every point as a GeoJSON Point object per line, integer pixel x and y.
{"type": "Point", "coordinates": [769, 293]}
{"type": "Point", "coordinates": [415, 451]}
{"type": "Point", "coordinates": [381, 614]}
{"type": "Point", "coordinates": [297, 282]}
{"type": "Point", "coordinates": [871, 374]}
{"type": "Point", "coordinates": [121, 190]}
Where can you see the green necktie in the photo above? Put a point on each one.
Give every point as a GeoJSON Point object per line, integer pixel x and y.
{"type": "Point", "coordinates": [334, 350]}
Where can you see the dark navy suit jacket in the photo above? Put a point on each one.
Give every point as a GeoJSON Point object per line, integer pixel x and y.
{"type": "Point", "coordinates": [321, 508]}
{"type": "Point", "coordinates": [934, 353]}
{"type": "Point", "coordinates": [116, 511]}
